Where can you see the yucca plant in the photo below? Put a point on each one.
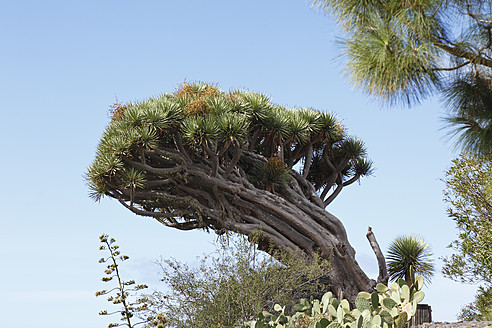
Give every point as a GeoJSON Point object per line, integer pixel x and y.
{"type": "Point", "coordinates": [409, 255]}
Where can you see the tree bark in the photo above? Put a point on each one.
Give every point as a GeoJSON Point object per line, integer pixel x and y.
{"type": "Point", "coordinates": [383, 273]}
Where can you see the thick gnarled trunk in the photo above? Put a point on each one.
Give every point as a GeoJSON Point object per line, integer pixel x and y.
{"type": "Point", "coordinates": [293, 216]}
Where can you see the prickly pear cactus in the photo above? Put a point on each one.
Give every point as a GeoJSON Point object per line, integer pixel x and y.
{"type": "Point", "coordinates": [387, 307]}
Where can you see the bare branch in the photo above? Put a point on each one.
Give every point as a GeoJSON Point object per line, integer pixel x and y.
{"type": "Point", "coordinates": [150, 213]}
{"type": "Point", "coordinates": [307, 160]}
{"type": "Point", "coordinates": [474, 16]}
{"type": "Point", "coordinates": [179, 145]}
{"type": "Point", "coordinates": [451, 68]}
{"type": "Point", "coordinates": [235, 160]}
{"type": "Point", "coordinates": [336, 192]}
{"type": "Point", "coordinates": [352, 180]}
{"type": "Point", "coordinates": [473, 58]}
{"type": "Point", "coordinates": [168, 153]}
{"type": "Point", "coordinates": [158, 183]}
{"type": "Point", "coordinates": [383, 273]}
{"type": "Point", "coordinates": [148, 168]}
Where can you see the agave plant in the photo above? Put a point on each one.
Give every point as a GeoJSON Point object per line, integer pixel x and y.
{"type": "Point", "coordinates": [407, 256]}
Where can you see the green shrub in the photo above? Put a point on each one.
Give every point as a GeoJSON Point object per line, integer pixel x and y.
{"type": "Point", "coordinates": [480, 309]}
{"type": "Point", "coordinates": [232, 285]}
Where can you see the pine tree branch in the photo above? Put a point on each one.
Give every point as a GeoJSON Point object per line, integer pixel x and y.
{"type": "Point", "coordinates": [473, 58]}
{"type": "Point", "coordinates": [451, 68]}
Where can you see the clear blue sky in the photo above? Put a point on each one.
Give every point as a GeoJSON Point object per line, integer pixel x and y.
{"type": "Point", "coordinates": [62, 63]}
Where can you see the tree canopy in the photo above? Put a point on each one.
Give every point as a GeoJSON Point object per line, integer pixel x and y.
{"type": "Point", "coordinates": [404, 51]}
{"type": "Point", "coordinates": [202, 158]}
{"type": "Point", "coordinates": [469, 195]}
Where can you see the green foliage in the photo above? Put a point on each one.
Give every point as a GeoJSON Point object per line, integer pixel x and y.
{"type": "Point", "coordinates": [469, 97]}
{"type": "Point", "coordinates": [408, 255]}
{"type": "Point", "coordinates": [270, 173]}
{"type": "Point", "coordinates": [213, 124]}
{"type": "Point", "coordinates": [232, 285]}
{"type": "Point", "coordinates": [480, 309]}
{"type": "Point", "coordinates": [124, 292]}
{"type": "Point", "coordinates": [397, 35]}
{"type": "Point", "coordinates": [469, 195]}
{"type": "Point", "coordinates": [422, 48]}
{"type": "Point", "coordinates": [388, 307]}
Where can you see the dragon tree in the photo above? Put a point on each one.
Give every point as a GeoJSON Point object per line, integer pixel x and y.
{"type": "Point", "coordinates": [202, 158]}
